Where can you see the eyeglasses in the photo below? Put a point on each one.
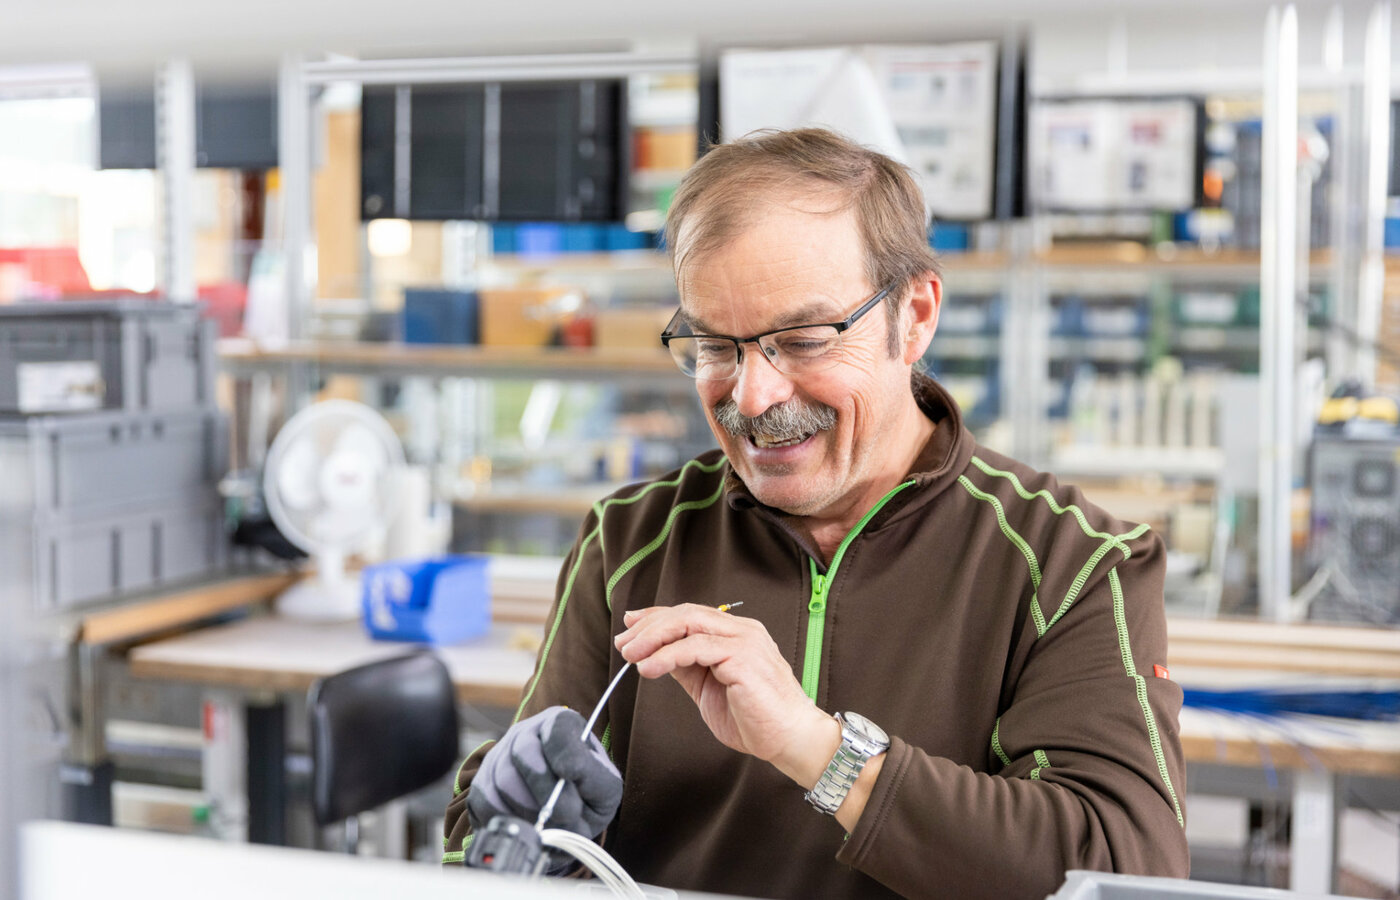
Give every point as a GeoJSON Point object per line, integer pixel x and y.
{"type": "Point", "coordinates": [796, 350]}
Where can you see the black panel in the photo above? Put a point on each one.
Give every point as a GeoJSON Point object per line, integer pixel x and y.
{"type": "Point", "coordinates": [562, 152]}
{"type": "Point", "coordinates": [236, 126]}
{"type": "Point", "coordinates": [126, 126]}
{"type": "Point", "coordinates": [377, 153]}
{"type": "Point", "coordinates": [446, 152]}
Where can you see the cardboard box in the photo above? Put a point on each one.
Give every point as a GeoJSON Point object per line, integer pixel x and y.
{"type": "Point", "coordinates": [525, 317]}
{"type": "Point", "coordinates": [630, 327]}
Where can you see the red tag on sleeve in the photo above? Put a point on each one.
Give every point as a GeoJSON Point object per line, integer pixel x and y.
{"type": "Point", "coordinates": [1161, 671]}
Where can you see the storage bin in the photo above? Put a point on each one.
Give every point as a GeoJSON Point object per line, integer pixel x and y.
{"type": "Point", "coordinates": [89, 556]}
{"type": "Point", "coordinates": [439, 316]}
{"type": "Point", "coordinates": [54, 463]}
{"type": "Point", "coordinates": [90, 355]}
{"type": "Point", "coordinates": [443, 600]}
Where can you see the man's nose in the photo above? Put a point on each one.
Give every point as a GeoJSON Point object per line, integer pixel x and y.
{"type": "Point", "coordinates": [758, 385]}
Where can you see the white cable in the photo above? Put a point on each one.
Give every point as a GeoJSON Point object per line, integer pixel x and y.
{"type": "Point", "coordinates": [548, 809]}
{"type": "Point", "coordinates": [595, 858]}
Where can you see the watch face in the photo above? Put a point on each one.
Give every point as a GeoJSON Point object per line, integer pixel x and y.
{"type": "Point", "coordinates": [865, 728]}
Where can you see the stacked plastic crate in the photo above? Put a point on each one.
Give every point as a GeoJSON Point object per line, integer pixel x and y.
{"type": "Point", "coordinates": [111, 450]}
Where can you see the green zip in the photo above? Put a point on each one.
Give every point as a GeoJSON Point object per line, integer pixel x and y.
{"type": "Point", "coordinates": [816, 606]}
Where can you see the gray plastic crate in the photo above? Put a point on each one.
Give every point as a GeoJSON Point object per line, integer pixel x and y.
{"type": "Point", "coordinates": [52, 463]}
{"type": "Point", "coordinates": [92, 355]}
{"type": "Point", "coordinates": [88, 557]}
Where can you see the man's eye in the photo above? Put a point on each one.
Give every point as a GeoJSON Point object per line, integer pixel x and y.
{"type": "Point", "coordinates": [799, 344]}
{"type": "Point", "coordinates": [713, 348]}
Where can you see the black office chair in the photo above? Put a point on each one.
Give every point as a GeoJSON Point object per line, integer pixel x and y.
{"type": "Point", "coordinates": [378, 732]}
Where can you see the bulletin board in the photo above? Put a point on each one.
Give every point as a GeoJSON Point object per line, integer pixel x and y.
{"type": "Point", "coordinates": [1114, 154]}
{"type": "Point", "coordinates": [930, 106]}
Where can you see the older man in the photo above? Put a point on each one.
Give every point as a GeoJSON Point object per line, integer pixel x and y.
{"type": "Point", "coordinates": [946, 679]}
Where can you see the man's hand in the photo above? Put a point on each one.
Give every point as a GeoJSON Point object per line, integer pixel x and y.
{"type": "Point", "coordinates": [736, 675]}
{"type": "Point", "coordinates": [519, 773]}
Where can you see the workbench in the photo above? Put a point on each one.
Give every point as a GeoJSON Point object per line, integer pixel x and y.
{"type": "Point", "coordinates": [263, 656]}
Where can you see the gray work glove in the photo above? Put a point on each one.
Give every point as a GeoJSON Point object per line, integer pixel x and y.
{"type": "Point", "coordinates": [518, 774]}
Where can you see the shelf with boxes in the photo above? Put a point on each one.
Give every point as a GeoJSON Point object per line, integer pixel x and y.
{"type": "Point", "coordinates": [112, 449]}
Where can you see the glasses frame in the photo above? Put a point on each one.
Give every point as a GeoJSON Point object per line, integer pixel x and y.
{"type": "Point", "coordinates": [841, 328]}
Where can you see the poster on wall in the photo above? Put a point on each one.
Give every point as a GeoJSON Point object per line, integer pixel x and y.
{"type": "Point", "coordinates": [933, 107]}
{"type": "Point", "coordinates": [1099, 155]}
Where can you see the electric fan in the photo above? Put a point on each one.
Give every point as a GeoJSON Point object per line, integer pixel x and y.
{"type": "Point", "coordinates": [329, 483]}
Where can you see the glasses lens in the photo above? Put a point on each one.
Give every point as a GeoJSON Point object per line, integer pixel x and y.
{"type": "Point", "coordinates": [704, 357]}
{"type": "Point", "coordinates": [803, 350]}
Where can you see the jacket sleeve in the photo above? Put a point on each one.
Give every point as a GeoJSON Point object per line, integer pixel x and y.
{"type": "Point", "coordinates": [1087, 770]}
{"type": "Point", "coordinates": [571, 668]}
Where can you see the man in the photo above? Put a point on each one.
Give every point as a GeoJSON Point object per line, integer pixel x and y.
{"type": "Point", "coordinates": [992, 642]}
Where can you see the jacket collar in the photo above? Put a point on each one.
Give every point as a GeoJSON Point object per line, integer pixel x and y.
{"type": "Point", "coordinates": [937, 466]}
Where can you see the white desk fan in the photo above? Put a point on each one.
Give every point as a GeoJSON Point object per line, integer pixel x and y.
{"type": "Point", "coordinates": [329, 483]}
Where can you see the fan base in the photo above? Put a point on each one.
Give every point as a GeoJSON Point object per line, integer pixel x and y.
{"type": "Point", "coordinates": [316, 600]}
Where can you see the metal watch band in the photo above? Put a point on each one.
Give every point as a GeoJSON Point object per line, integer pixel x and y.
{"type": "Point", "coordinates": [845, 766]}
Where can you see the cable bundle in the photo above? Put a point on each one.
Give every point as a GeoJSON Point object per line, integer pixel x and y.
{"type": "Point", "coordinates": [1363, 705]}
{"type": "Point", "coordinates": [595, 858]}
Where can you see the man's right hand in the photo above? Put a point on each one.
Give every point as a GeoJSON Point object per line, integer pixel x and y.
{"type": "Point", "coordinates": [519, 773]}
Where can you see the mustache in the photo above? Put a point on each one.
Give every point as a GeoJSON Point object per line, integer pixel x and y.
{"type": "Point", "coordinates": [782, 422]}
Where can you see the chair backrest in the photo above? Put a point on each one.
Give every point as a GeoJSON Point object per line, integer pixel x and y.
{"type": "Point", "coordinates": [378, 732]}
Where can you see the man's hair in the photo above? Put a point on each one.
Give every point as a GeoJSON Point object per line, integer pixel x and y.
{"type": "Point", "coordinates": [724, 192]}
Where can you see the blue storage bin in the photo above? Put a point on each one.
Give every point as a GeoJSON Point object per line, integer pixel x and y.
{"type": "Point", "coordinates": [617, 237]}
{"type": "Point", "coordinates": [503, 238]}
{"type": "Point", "coordinates": [949, 237]}
{"type": "Point", "coordinates": [583, 237]}
{"type": "Point", "coordinates": [433, 316]}
{"type": "Point", "coordinates": [445, 600]}
{"type": "Point", "coordinates": [1392, 231]}
{"type": "Point", "coordinates": [539, 239]}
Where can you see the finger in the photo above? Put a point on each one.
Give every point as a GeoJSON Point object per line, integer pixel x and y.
{"type": "Point", "coordinates": [673, 624]}
{"type": "Point", "coordinates": [704, 650]}
{"type": "Point", "coordinates": [632, 616]}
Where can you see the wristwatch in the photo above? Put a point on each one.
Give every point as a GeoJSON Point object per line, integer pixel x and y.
{"type": "Point", "coordinates": [860, 740]}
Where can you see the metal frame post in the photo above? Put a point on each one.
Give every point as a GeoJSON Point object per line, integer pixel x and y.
{"type": "Point", "coordinates": [175, 157]}
{"type": "Point", "coordinates": [1278, 294]}
{"type": "Point", "coordinates": [294, 166]}
{"type": "Point", "coordinates": [1375, 92]}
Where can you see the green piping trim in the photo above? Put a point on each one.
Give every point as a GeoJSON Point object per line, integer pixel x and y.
{"type": "Point", "coordinates": [457, 781]}
{"type": "Point", "coordinates": [632, 561]}
{"type": "Point", "coordinates": [1083, 577]}
{"type": "Point", "coordinates": [1041, 759]}
{"type": "Point", "coordinates": [455, 856]}
{"type": "Point", "coordinates": [1120, 620]}
{"type": "Point", "coordinates": [598, 510]}
{"type": "Point", "coordinates": [1020, 543]}
{"type": "Point", "coordinates": [996, 744]}
{"type": "Point", "coordinates": [1079, 581]}
{"type": "Point", "coordinates": [1116, 540]}
{"type": "Point", "coordinates": [821, 584]}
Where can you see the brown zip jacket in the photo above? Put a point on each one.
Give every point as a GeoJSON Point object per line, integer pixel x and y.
{"type": "Point", "coordinates": [1004, 631]}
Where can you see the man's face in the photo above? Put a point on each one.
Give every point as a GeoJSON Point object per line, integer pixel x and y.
{"type": "Point", "coordinates": [827, 446]}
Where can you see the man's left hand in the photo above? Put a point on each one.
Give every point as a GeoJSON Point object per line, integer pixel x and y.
{"type": "Point", "coordinates": [745, 689]}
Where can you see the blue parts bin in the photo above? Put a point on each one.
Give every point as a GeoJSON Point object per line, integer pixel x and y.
{"type": "Point", "coordinates": [440, 316]}
{"type": "Point", "coordinates": [444, 600]}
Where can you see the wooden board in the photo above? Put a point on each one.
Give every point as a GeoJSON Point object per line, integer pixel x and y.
{"type": "Point", "coordinates": [268, 653]}
{"type": "Point", "coordinates": [1320, 649]}
{"type": "Point", "coordinates": [180, 608]}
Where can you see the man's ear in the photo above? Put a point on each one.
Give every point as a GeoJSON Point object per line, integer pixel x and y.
{"type": "Point", "coordinates": [921, 315]}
